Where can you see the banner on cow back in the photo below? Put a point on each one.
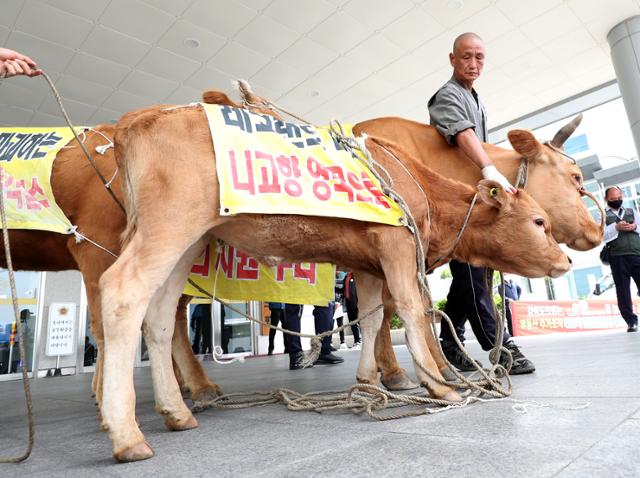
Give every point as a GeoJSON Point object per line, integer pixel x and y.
{"type": "Point", "coordinates": [26, 160]}
{"type": "Point", "coordinates": [270, 166]}
{"type": "Point", "coordinates": [232, 275]}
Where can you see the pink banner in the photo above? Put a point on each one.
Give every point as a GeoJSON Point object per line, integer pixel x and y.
{"type": "Point", "coordinates": [549, 316]}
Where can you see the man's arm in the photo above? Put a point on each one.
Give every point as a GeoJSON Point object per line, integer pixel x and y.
{"type": "Point", "coordinates": [448, 115]}
{"type": "Point", "coordinates": [470, 145]}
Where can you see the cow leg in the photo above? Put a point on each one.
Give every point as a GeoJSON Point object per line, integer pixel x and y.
{"type": "Point", "coordinates": [400, 272]}
{"type": "Point", "coordinates": [92, 262]}
{"type": "Point", "coordinates": [93, 300]}
{"type": "Point", "coordinates": [434, 348]}
{"type": "Point", "coordinates": [127, 288]}
{"type": "Point", "coordinates": [369, 295]}
{"type": "Point", "coordinates": [393, 377]}
{"type": "Point", "coordinates": [194, 378]}
{"type": "Point", "coordinates": [158, 327]}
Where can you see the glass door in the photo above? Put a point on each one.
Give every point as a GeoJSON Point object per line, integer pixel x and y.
{"type": "Point", "coordinates": [233, 332]}
{"type": "Point", "coordinates": [27, 287]}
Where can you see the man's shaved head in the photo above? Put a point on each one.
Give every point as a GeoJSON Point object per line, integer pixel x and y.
{"type": "Point", "coordinates": [467, 58]}
{"type": "Point", "coordinates": [463, 37]}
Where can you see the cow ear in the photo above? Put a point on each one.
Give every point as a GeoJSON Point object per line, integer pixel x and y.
{"type": "Point", "coordinates": [525, 143]}
{"type": "Point", "coordinates": [215, 97]}
{"type": "Point", "coordinates": [492, 193]}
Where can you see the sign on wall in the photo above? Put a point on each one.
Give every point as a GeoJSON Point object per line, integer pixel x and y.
{"type": "Point", "coordinates": [61, 330]}
{"type": "Point", "coordinates": [545, 317]}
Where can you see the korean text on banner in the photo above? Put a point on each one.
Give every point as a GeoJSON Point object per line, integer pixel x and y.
{"type": "Point", "coordinates": [26, 160]}
{"type": "Point", "coordinates": [235, 276]}
{"type": "Point", "coordinates": [270, 166]}
{"type": "Point", "coordinates": [545, 317]}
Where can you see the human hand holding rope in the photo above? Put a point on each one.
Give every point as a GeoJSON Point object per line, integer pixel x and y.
{"type": "Point", "coordinates": [13, 63]}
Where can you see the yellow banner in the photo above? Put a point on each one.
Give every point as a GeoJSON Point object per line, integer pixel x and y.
{"type": "Point", "coordinates": [26, 159]}
{"type": "Point", "coordinates": [270, 166]}
{"type": "Point", "coordinates": [232, 275]}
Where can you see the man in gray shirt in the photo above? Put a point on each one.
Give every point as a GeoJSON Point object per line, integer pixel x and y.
{"type": "Point", "coordinates": [456, 111]}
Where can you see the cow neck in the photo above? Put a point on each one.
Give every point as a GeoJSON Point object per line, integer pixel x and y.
{"type": "Point", "coordinates": [447, 219]}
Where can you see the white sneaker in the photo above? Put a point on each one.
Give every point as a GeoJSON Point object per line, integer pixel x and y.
{"type": "Point", "coordinates": [343, 346]}
{"type": "Point", "coordinates": [356, 346]}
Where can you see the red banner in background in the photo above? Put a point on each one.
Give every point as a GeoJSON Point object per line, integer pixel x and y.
{"type": "Point", "coordinates": [549, 316]}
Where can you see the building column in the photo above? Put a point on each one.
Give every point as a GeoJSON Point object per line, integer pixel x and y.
{"type": "Point", "coordinates": [624, 41]}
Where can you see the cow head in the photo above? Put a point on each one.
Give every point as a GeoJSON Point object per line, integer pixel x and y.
{"type": "Point", "coordinates": [555, 181]}
{"type": "Point", "coordinates": [511, 233]}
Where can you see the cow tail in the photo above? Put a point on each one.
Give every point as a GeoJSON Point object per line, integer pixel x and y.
{"type": "Point", "coordinates": [125, 159]}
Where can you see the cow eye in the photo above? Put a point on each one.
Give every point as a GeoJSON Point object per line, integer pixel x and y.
{"type": "Point", "coordinates": [539, 222]}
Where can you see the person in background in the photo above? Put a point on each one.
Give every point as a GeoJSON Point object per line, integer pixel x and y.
{"type": "Point", "coordinates": [622, 237]}
{"type": "Point", "coordinates": [512, 292]}
{"type": "Point", "coordinates": [89, 352]}
{"type": "Point", "coordinates": [277, 317]}
{"type": "Point", "coordinates": [323, 317]}
{"type": "Point", "coordinates": [201, 326]}
{"type": "Point", "coordinates": [350, 306]}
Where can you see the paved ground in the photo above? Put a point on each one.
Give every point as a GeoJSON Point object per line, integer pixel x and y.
{"type": "Point", "coordinates": [483, 440]}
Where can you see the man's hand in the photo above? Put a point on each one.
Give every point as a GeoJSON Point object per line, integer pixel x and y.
{"type": "Point", "coordinates": [13, 63]}
{"type": "Point", "coordinates": [470, 145]}
{"type": "Point", "coordinates": [490, 172]}
{"type": "Point", "coordinates": [625, 226]}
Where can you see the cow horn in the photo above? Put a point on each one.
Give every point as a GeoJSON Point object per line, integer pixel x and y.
{"type": "Point", "coordinates": [247, 94]}
{"type": "Point", "coordinates": [566, 131]}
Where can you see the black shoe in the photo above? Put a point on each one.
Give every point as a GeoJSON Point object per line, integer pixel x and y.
{"type": "Point", "coordinates": [270, 352]}
{"type": "Point", "coordinates": [333, 349]}
{"type": "Point", "coordinates": [632, 328]}
{"type": "Point", "coordinates": [329, 359]}
{"type": "Point", "coordinates": [295, 361]}
{"type": "Point", "coordinates": [457, 358]}
{"type": "Point", "coordinates": [521, 364]}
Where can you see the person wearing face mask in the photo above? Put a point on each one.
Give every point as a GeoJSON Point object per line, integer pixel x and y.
{"type": "Point", "coordinates": [622, 237]}
{"type": "Point", "coordinates": [459, 116]}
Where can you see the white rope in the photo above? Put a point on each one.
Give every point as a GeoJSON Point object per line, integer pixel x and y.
{"type": "Point", "coordinates": [189, 105]}
{"type": "Point", "coordinates": [108, 183]}
{"type": "Point", "coordinates": [217, 352]}
{"type": "Point", "coordinates": [81, 237]}
{"type": "Point", "coordinates": [84, 138]}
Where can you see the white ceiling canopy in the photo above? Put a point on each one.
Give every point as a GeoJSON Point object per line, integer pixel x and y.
{"type": "Point", "coordinates": [322, 59]}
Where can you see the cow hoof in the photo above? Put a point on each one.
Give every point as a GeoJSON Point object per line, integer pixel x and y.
{"type": "Point", "coordinates": [448, 374]}
{"type": "Point", "coordinates": [366, 381]}
{"type": "Point", "coordinates": [205, 398]}
{"type": "Point", "coordinates": [178, 425]}
{"type": "Point", "coordinates": [138, 452]}
{"type": "Point", "coordinates": [398, 381]}
{"type": "Point", "coordinates": [452, 396]}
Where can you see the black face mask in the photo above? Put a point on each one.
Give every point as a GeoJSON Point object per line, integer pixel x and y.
{"type": "Point", "coordinates": [615, 204]}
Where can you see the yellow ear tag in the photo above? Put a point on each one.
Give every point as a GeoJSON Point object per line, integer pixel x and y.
{"type": "Point", "coordinates": [493, 192]}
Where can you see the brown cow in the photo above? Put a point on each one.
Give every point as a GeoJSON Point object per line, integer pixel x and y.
{"type": "Point", "coordinates": [83, 199]}
{"type": "Point", "coordinates": [173, 212]}
{"type": "Point", "coordinates": [553, 179]}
